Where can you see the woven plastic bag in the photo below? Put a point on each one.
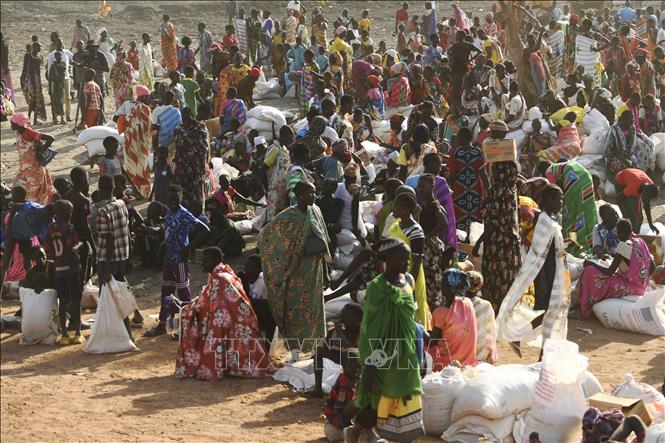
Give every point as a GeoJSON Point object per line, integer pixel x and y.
{"type": "Point", "coordinates": [108, 332]}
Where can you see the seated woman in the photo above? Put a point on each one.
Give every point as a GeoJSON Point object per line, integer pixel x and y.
{"type": "Point", "coordinates": [567, 144]}
{"type": "Point", "coordinates": [627, 275]}
{"type": "Point", "coordinates": [220, 333]}
{"type": "Point", "coordinates": [454, 329]}
{"type": "Point", "coordinates": [605, 238]}
{"type": "Point", "coordinates": [225, 198]}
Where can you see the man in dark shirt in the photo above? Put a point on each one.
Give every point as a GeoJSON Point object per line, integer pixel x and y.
{"type": "Point", "coordinates": [459, 56]}
{"type": "Point", "coordinates": [81, 219]}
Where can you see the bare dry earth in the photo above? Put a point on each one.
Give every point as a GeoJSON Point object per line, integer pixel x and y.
{"type": "Point", "coordinates": [57, 394]}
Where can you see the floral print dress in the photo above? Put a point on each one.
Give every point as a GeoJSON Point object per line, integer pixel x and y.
{"type": "Point", "coordinates": [501, 250]}
{"type": "Point", "coordinates": [220, 333]}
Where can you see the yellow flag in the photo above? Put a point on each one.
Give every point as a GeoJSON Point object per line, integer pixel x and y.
{"type": "Point", "coordinates": [104, 8]}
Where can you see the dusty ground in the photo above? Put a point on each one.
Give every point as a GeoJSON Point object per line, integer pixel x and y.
{"type": "Point", "coordinates": [57, 394]}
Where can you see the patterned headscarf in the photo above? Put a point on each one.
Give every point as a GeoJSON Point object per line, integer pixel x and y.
{"type": "Point", "coordinates": [456, 281]}
{"type": "Point", "coordinates": [388, 244]}
{"type": "Point", "coordinates": [476, 282]}
{"type": "Point", "coordinates": [399, 68]}
{"type": "Point", "coordinates": [20, 119]}
{"type": "Point", "coordinates": [317, 125]}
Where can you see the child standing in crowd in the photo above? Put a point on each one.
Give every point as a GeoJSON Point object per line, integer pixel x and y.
{"type": "Point", "coordinates": [61, 244]}
{"type": "Point", "coordinates": [162, 175]}
{"type": "Point", "coordinates": [110, 164]}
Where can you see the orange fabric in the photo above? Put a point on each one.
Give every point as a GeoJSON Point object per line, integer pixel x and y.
{"type": "Point", "coordinates": [121, 124]}
{"type": "Point", "coordinates": [459, 332]}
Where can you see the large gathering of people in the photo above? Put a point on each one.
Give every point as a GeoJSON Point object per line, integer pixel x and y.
{"type": "Point", "coordinates": [377, 187]}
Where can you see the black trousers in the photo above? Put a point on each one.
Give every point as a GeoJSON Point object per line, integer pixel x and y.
{"type": "Point", "coordinates": [69, 300]}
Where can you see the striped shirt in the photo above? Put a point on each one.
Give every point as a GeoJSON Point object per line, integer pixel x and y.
{"type": "Point", "coordinates": [168, 118]}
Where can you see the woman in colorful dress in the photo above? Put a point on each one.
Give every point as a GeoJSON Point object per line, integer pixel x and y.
{"type": "Point", "coordinates": [568, 144]}
{"type": "Point", "coordinates": [229, 77]}
{"type": "Point", "coordinates": [294, 252]}
{"type": "Point", "coordinates": [468, 179]}
{"type": "Point", "coordinates": [399, 90]}
{"type": "Point", "coordinates": [56, 88]}
{"type": "Point", "coordinates": [501, 237]}
{"type": "Point", "coordinates": [628, 274]}
{"type": "Point", "coordinates": [412, 154]}
{"type": "Point", "coordinates": [336, 70]}
{"type": "Point", "coordinates": [169, 43]}
{"type": "Point", "coordinates": [220, 333]}
{"type": "Point", "coordinates": [297, 173]}
{"type": "Point", "coordinates": [31, 83]}
{"type": "Point", "coordinates": [121, 77]}
{"type": "Point", "coordinates": [186, 55]}
{"type": "Point", "coordinates": [138, 142]}
{"type": "Point", "coordinates": [191, 156]}
{"type": "Point", "coordinates": [390, 392]}
{"type": "Point", "coordinates": [308, 76]}
{"type": "Point", "coordinates": [535, 142]}
{"type": "Point", "coordinates": [31, 175]}
{"type": "Point", "coordinates": [277, 161]}
{"type": "Point", "coordinates": [579, 210]}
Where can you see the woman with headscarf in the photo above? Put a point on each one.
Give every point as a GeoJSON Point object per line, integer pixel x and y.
{"type": "Point", "coordinates": [31, 175]}
{"type": "Point", "coordinates": [399, 90]}
{"type": "Point", "coordinates": [411, 155]}
{"type": "Point", "coordinates": [568, 145]}
{"type": "Point", "coordinates": [297, 173]}
{"type": "Point", "coordinates": [626, 148]}
{"type": "Point", "coordinates": [340, 45]}
{"type": "Point", "coordinates": [313, 140]}
{"type": "Point", "coordinates": [376, 97]}
{"type": "Point", "coordinates": [389, 393]}
{"type": "Point", "coordinates": [31, 83]}
{"type": "Point", "coordinates": [360, 69]}
{"type": "Point", "coordinates": [276, 164]}
{"type": "Point", "coordinates": [220, 332]}
{"type": "Point", "coordinates": [407, 229]}
{"type": "Point", "coordinates": [138, 140]}
{"type": "Point", "coordinates": [489, 26]}
{"type": "Point", "coordinates": [580, 214]}
{"type": "Point", "coordinates": [454, 326]}
{"type": "Point", "coordinates": [294, 252]}
{"type": "Point", "coordinates": [191, 156]}
{"type": "Point", "coordinates": [121, 77]}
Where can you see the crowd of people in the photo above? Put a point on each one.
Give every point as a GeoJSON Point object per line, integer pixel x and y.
{"type": "Point", "coordinates": [418, 281]}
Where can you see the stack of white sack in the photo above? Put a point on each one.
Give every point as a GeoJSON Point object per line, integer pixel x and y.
{"type": "Point", "coordinates": [262, 118]}
{"type": "Point", "coordinates": [93, 138]}
{"type": "Point", "coordinates": [654, 401]}
{"type": "Point", "coordinates": [329, 135]}
{"type": "Point", "coordinates": [440, 391]}
{"type": "Point", "coordinates": [490, 401]}
{"type": "Point", "coordinates": [558, 398]}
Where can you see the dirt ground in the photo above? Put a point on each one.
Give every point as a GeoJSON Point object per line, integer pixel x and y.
{"type": "Point", "coordinates": [54, 394]}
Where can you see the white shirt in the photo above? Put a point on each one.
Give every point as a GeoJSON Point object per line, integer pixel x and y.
{"type": "Point", "coordinates": [660, 38]}
{"type": "Point", "coordinates": [125, 108]}
{"type": "Point", "coordinates": [66, 57]}
{"type": "Point", "coordinates": [257, 290]}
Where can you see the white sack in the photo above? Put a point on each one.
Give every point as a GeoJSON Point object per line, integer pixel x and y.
{"type": "Point", "coordinates": [644, 314]}
{"type": "Point", "coordinates": [496, 393]}
{"type": "Point", "coordinates": [259, 125]}
{"type": "Point", "coordinates": [440, 390]}
{"type": "Point", "coordinates": [269, 114]}
{"type": "Point", "coordinates": [38, 310]}
{"type": "Point", "coordinates": [594, 120]}
{"type": "Point", "coordinates": [656, 433]}
{"type": "Point", "coordinates": [517, 135]}
{"type": "Point", "coordinates": [595, 142]}
{"type": "Point", "coordinates": [122, 296]}
{"type": "Point", "coordinates": [300, 375]}
{"type": "Point", "coordinates": [658, 140]}
{"type": "Point", "coordinates": [653, 399]}
{"type": "Point", "coordinates": [558, 403]}
{"type": "Point", "coordinates": [334, 307]}
{"type": "Point", "coordinates": [108, 332]}
{"type": "Point", "coordinates": [96, 132]}
{"type": "Point", "coordinates": [473, 427]}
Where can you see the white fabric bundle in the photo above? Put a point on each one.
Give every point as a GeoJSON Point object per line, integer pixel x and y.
{"type": "Point", "coordinates": [268, 114]}
{"type": "Point", "coordinates": [594, 120]}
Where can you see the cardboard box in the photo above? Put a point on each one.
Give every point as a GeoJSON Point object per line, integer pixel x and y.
{"type": "Point", "coordinates": [629, 406]}
{"type": "Point", "coordinates": [504, 150]}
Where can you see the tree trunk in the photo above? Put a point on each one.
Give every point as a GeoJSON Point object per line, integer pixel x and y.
{"type": "Point", "coordinates": [515, 50]}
